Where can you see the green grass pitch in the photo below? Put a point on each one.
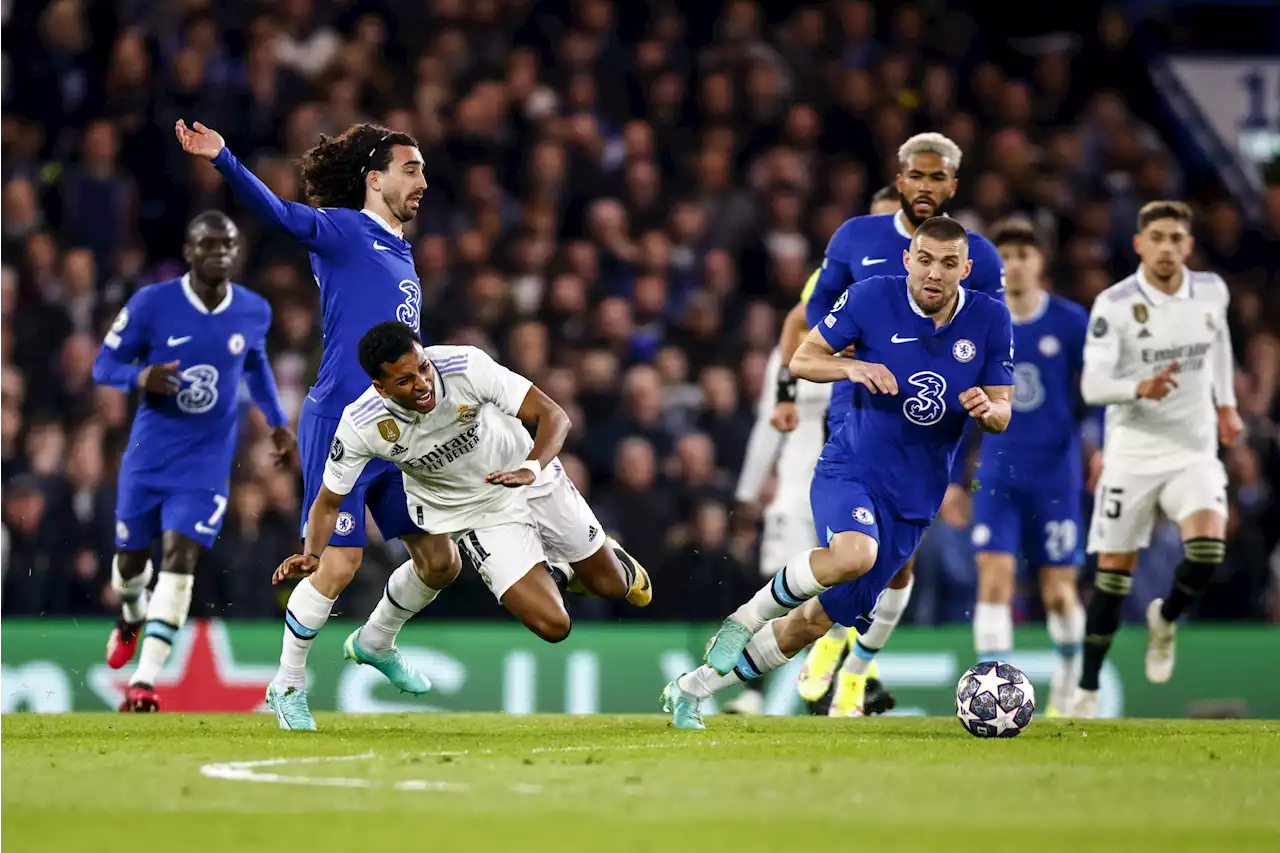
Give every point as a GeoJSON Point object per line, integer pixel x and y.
{"type": "Point", "coordinates": [470, 783]}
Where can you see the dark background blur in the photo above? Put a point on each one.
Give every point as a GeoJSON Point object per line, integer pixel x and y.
{"type": "Point", "coordinates": [625, 199]}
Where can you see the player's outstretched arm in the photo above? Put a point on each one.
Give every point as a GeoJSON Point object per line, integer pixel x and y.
{"type": "Point", "coordinates": [817, 361]}
{"type": "Point", "coordinates": [551, 425]}
{"type": "Point", "coordinates": [321, 521]}
{"type": "Point", "coordinates": [991, 406]}
{"type": "Point", "coordinates": [298, 220]}
{"type": "Point", "coordinates": [262, 387]}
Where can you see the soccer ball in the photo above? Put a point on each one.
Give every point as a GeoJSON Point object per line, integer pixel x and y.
{"type": "Point", "coordinates": [995, 699]}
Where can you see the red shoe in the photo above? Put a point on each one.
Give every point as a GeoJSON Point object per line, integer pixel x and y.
{"type": "Point", "coordinates": [140, 698]}
{"type": "Point", "coordinates": [122, 643]}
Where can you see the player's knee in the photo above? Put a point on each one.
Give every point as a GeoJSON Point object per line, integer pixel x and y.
{"type": "Point", "coordinates": [852, 555]}
{"type": "Point", "coordinates": [179, 556]}
{"type": "Point", "coordinates": [1058, 589]}
{"type": "Point", "coordinates": [131, 563]}
{"type": "Point", "coordinates": [337, 568]}
{"type": "Point", "coordinates": [552, 627]}
{"type": "Point", "coordinates": [438, 563]}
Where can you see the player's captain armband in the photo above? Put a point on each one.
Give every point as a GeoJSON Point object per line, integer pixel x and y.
{"type": "Point", "coordinates": [811, 284]}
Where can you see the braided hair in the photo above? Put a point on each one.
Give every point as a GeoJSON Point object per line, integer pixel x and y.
{"type": "Point", "coordinates": [333, 171]}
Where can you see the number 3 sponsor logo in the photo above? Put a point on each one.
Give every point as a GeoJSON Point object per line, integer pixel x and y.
{"type": "Point", "coordinates": [202, 394]}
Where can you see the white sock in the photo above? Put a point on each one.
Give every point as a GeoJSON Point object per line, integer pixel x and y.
{"type": "Point", "coordinates": [790, 588]}
{"type": "Point", "coordinates": [1067, 630]}
{"type": "Point", "coordinates": [405, 595]}
{"type": "Point", "coordinates": [992, 630]}
{"type": "Point", "coordinates": [761, 656]}
{"type": "Point", "coordinates": [888, 612]}
{"type": "Point", "coordinates": [132, 591]}
{"type": "Point", "coordinates": [858, 661]}
{"type": "Point", "coordinates": [304, 616]}
{"type": "Point", "coordinates": [166, 614]}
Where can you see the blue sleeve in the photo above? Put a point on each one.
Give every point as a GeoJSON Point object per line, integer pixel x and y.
{"type": "Point", "coordinates": [840, 327]}
{"type": "Point", "coordinates": [315, 229]}
{"type": "Point", "coordinates": [998, 367]}
{"type": "Point", "coordinates": [960, 464]}
{"type": "Point", "coordinates": [118, 362]}
{"type": "Point", "coordinates": [1077, 329]}
{"type": "Point", "coordinates": [987, 275]}
{"type": "Point", "coordinates": [261, 380]}
{"type": "Point", "coordinates": [834, 277]}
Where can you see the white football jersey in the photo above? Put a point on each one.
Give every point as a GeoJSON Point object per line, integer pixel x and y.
{"type": "Point", "coordinates": [795, 453]}
{"type": "Point", "coordinates": [1135, 332]}
{"type": "Point", "coordinates": [446, 453]}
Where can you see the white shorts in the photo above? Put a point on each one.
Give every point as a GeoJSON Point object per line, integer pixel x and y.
{"type": "Point", "coordinates": [564, 530]}
{"type": "Point", "coordinates": [786, 533]}
{"type": "Point", "coordinates": [1124, 508]}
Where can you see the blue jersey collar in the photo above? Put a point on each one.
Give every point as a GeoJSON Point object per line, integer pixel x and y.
{"type": "Point", "coordinates": [378, 219]}
{"type": "Point", "coordinates": [198, 303]}
{"type": "Point", "coordinates": [919, 312]}
{"type": "Point", "coordinates": [1039, 311]}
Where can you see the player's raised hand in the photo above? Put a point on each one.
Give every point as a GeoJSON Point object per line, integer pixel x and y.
{"type": "Point", "coordinates": [297, 566]}
{"type": "Point", "coordinates": [511, 479]}
{"type": "Point", "coordinates": [1159, 386]}
{"type": "Point", "coordinates": [976, 403]}
{"type": "Point", "coordinates": [1230, 426]}
{"type": "Point", "coordinates": [160, 379]}
{"type": "Point", "coordinates": [785, 417]}
{"type": "Point", "coordinates": [286, 446]}
{"type": "Point", "coordinates": [876, 377]}
{"type": "Point", "coordinates": [199, 140]}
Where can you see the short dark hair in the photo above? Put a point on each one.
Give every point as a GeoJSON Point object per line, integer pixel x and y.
{"type": "Point", "coordinates": [1164, 210]}
{"type": "Point", "coordinates": [383, 344]}
{"type": "Point", "coordinates": [333, 171]}
{"type": "Point", "coordinates": [941, 228]}
{"type": "Point", "coordinates": [889, 193]}
{"type": "Point", "coordinates": [1015, 232]}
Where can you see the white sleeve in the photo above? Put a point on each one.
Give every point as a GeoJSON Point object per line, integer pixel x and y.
{"type": "Point", "coordinates": [495, 384]}
{"type": "Point", "coordinates": [1224, 368]}
{"type": "Point", "coordinates": [1100, 384]}
{"type": "Point", "coordinates": [765, 441]}
{"type": "Point", "coordinates": [348, 455]}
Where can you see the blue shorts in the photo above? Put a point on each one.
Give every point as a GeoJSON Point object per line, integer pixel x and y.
{"type": "Point", "coordinates": [143, 512]}
{"type": "Point", "coordinates": [380, 487]}
{"type": "Point", "coordinates": [1041, 524]}
{"type": "Point", "coordinates": [842, 504]}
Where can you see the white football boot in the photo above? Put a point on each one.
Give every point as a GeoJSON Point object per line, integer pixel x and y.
{"type": "Point", "coordinates": [1085, 705]}
{"type": "Point", "coordinates": [1161, 635]}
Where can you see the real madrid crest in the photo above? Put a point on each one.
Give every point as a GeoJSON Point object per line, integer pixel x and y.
{"type": "Point", "coordinates": [388, 430]}
{"type": "Point", "coordinates": [235, 344]}
{"type": "Point", "coordinates": [1140, 312]}
{"type": "Point", "coordinates": [467, 414]}
{"type": "Point", "coordinates": [964, 350]}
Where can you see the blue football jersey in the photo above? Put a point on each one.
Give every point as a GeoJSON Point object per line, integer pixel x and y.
{"type": "Point", "coordinates": [1043, 439]}
{"type": "Point", "coordinates": [868, 246]}
{"type": "Point", "coordinates": [188, 439]}
{"type": "Point", "coordinates": [365, 274]}
{"type": "Point", "coordinates": [902, 445]}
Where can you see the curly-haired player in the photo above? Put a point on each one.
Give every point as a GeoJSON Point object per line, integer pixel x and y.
{"type": "Point", "coordinates": [364, 185]}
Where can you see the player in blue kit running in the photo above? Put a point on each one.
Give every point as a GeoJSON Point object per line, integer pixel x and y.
{"type": "Point", "coordinates": [862, 247]}
{"type": "Point", "coordinates": [1030, 477]}
{"type": "Point", "coordinates": [365, 185]}
{"type": "Point", "coordinates": [186, 344]}
{"type": "Point", "coordinates": [931, 356]}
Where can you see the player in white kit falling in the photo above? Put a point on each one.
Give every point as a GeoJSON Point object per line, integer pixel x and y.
{"type": "Point", "coordinates": [450, 418]}
{"type": "Point", "coordinates": [1158, 356]}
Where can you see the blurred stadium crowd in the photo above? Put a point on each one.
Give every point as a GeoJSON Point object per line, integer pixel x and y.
{"type": "Point", "coordinates": [625, 199]}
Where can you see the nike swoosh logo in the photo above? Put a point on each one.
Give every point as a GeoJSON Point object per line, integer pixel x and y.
{"type": "Point", "coordinates": [380, 247]}
{"type": "Point", "coordinates": [867, 262]}
{"type": "Point", "coordinates": [175, 342]}
{"type": "Point", "coordinates": [897, 340]}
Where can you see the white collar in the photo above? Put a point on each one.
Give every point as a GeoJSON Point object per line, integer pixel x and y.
{"type": "Point", "coordinates": [1155, 295]}
{"type": "Point", "coordinates": [919, 312]}
{"type": "Point", "coordinates": [198, 303]}
{"type": "Point", "coordinates": [900, 224]}
{"type": "Point", "coordinates": [1036, 313]}
{"type": "Point", "coordinates": [378, 219]}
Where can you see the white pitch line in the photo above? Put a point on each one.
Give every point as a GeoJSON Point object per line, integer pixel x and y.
{"type": "Point", "coordinates": [248, 771]}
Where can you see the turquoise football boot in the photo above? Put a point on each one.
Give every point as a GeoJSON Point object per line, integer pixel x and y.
{"type": "Point", "coordinates": [390, 663]}
{"type": "Point", "coordinates": [290, 707]}
{"type": "Point", "coordinates": [685, 708]}
{"type": "Point", "coordinates": [726, 646]}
